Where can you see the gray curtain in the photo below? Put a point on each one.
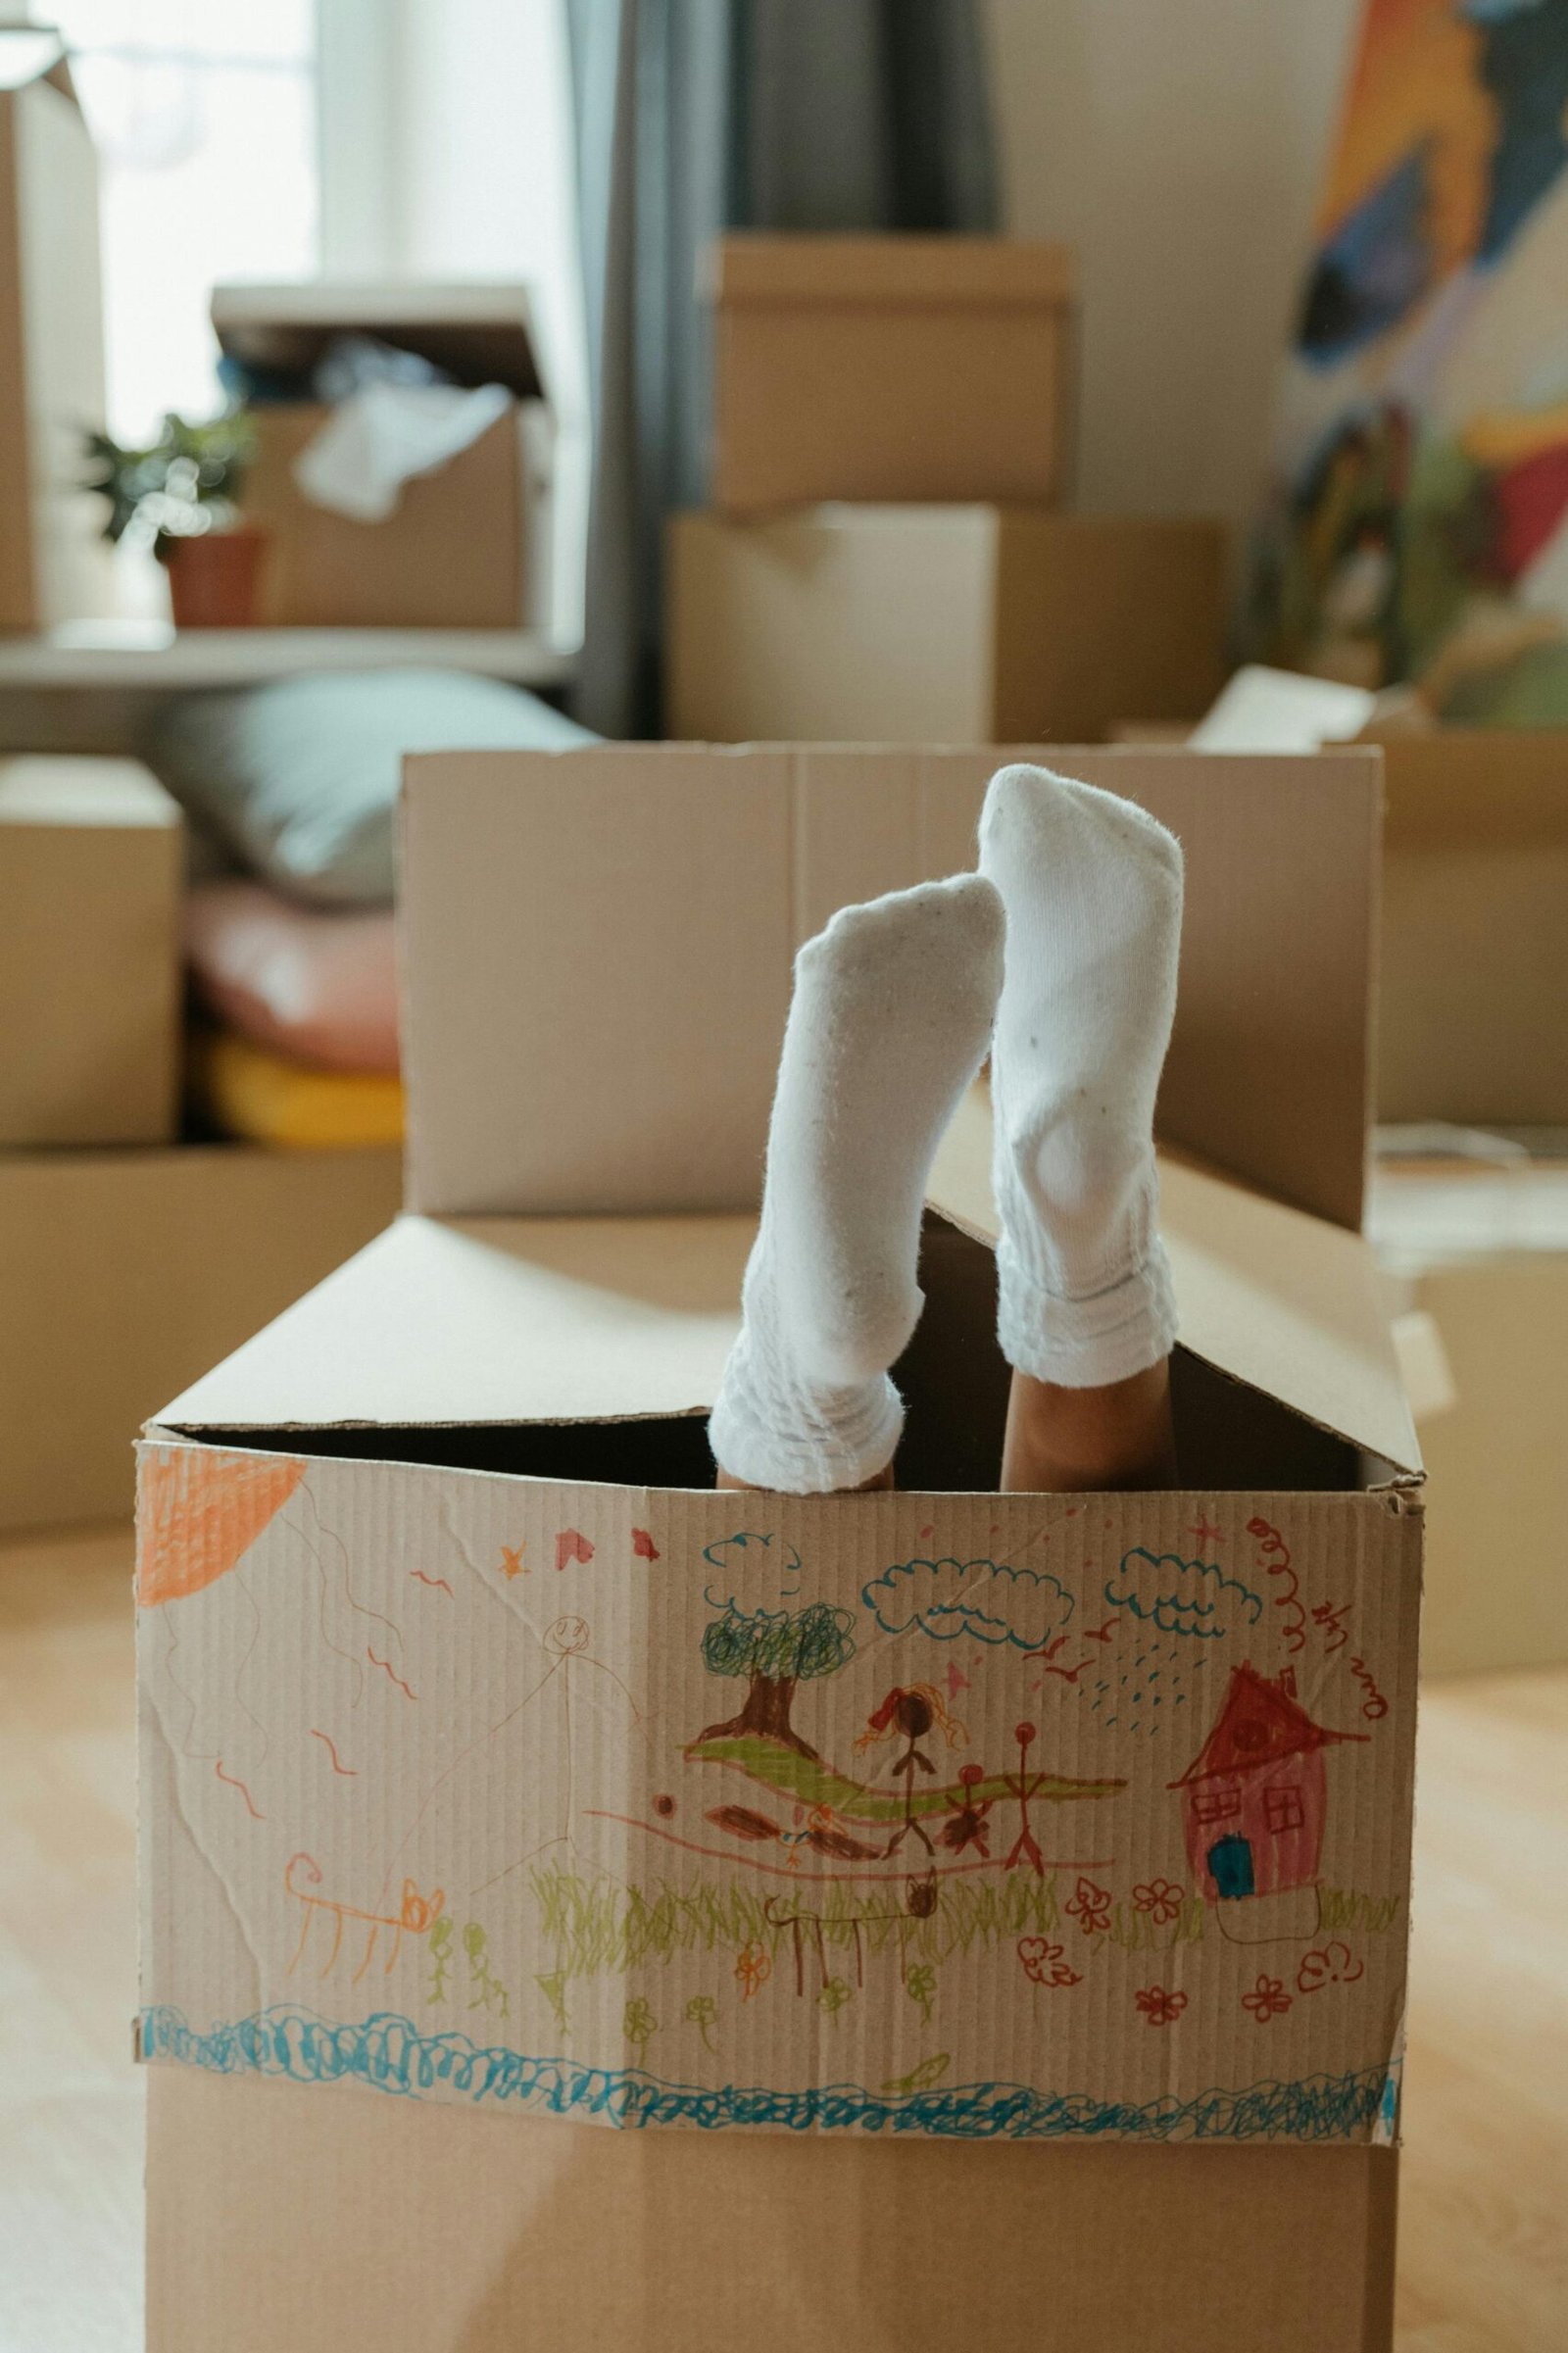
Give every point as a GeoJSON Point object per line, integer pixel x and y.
{"type": "Point", "coordinates": [693, 115]}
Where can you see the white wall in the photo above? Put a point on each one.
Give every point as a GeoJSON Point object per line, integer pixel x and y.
{"type": "Point", "coordinates": [1177, 146]}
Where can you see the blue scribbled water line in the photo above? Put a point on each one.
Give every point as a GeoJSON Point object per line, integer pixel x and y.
{"type": "Point", "coordinates": [390, 2054]}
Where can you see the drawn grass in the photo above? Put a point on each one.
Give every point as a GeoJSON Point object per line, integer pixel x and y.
{"type": "Point", "coordinates": [808, 1782]}
{"type": "Point", "coordinates": [1348, 1908]}
{"type": "Point", "coordinates": [599, 1926]}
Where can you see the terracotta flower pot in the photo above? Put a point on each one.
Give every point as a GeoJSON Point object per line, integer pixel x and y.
{"type": "Point", "coordinates": [213, 580]}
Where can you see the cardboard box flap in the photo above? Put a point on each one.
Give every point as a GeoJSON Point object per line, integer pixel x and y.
{"type": "Point", "coordinates": [905, 269]}
{"type": "Point", "coordinates": [502, 1320]}
{"type": "Point", "coordinates": [1284, 1303]}
{"type": "Point", "coordinates": [670, 978]}
{"type": "Point", "coordinates": [480, 333]}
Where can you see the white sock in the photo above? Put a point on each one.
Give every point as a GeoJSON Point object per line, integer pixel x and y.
{"type": "Point", "coordinates": [889, 1020]}
{"type": "Point", "coordinates": [1092, 892]}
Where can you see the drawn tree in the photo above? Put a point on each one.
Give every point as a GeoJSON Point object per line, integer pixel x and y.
{"type": "Point", "coordinates": [775, 1649]}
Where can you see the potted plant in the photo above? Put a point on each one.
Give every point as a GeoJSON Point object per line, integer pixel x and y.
{"type": "Point", "coordinates": [179, 497]}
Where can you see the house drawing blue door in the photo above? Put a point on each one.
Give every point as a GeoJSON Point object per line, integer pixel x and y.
{"type": "Point", "coordinates": [1230, 1863]}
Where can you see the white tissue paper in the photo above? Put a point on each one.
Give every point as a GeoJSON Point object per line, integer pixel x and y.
{"type": "Point", "coordinates": [381, 437]}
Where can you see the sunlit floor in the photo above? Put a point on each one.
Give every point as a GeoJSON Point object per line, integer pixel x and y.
{"type": "Point", "coordinates": [1483, 2244]}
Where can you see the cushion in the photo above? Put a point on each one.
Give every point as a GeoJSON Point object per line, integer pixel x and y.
{"type": "Point", "coordinates": [300, 778]}
{"type": "Point", "coordinates": [317, 983]}
{"type": "Point", "coordinates": [246, 1091]}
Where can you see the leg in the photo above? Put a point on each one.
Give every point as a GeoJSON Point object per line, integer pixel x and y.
{"type": "Point", "coordinates": [889, 1020]}
{"type": "Point", "coordinates": [1092, 890]}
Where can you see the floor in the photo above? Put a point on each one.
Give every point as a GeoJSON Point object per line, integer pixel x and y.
{"type": "Point", "coordinates": [1484, 2245]}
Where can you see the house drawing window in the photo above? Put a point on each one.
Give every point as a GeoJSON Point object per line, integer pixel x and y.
{"type": "Point", "coordinates": [1284, 1808]}
{"type": "Point", "coordinates": [1222, 1804]}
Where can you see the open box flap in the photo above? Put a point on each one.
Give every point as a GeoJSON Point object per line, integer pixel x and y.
{"type": "Point", "coordinates": [480, 333]}
{"type": "Point", "coordinates": [494, 1320]}
{"type": "Point", "coordinates": [1285, 1302]}
{"type": "Point", "coordinates": [667, 980]}
{"type": "Point", "coordinates": [515, 1320]}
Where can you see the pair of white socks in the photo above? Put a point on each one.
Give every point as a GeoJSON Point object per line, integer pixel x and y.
{"type": "Point", "coordinates": [1058, 958]}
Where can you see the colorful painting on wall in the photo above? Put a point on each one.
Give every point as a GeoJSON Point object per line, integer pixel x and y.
{"type": "Point", "coordinates": [1417, 528]}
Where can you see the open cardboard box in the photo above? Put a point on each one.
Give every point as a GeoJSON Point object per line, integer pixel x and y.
{"type": "Point", "coordinates": [467, 546]}
{"type": "Point", "coordinates": [538, 1947]}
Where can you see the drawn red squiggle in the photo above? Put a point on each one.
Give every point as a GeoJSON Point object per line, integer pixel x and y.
{"type": "Point", "coordinates": [350, 1771]}
{"type": "Point", "coordinates": [425, 1580]}
{"type": "Point", "coordinates": [1269, 1540]}
{"type": "Point", "coordinates": [1374, 1707]}
{"type": "Point", "coordinates": [256, 1810]}
{"type": "Point", "coordinates": [390, 1670]}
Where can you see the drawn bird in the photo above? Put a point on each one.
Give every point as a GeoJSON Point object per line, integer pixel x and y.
{"type": "Point", "coordinates": [1100, 1634]}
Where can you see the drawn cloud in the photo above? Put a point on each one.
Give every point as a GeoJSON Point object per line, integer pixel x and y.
{"type": "Point", "coordinates": [746, 1553]}
{"type": "Point", "coordinates": [1191, 1597]}
{"type": "Point", "coordinates": [985, 1600]}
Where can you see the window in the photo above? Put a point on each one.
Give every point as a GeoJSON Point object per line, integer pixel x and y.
{"type": "Point", "coordinates": [1222, 1804]}
{"type": "Point", "coordinates": [204, 117]}
{"type": "Point", "coordinates": [1282, 1807]}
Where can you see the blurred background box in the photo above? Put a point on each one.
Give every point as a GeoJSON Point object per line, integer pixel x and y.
{"type": "Point", "coordinates": [122, 1272]}
{"type": "Point", "coordinates": [53, 568]}
{"type": "Point", "coordinates": [91, 876]}
{"type": "Point", "coordinates": [1473, 1023]}
{"type": "Point", "coordinates": [942, 624]}
{"type": "Point", "coordinates": [467, 546]}
{"type": "Point", "coordinates": [890, 367]}
{"type": "Point", "coordinates": [1482, 1248]}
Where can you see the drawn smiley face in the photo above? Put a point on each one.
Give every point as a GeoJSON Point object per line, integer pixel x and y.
{"type": "Point", "coordinates": [567, 1636]}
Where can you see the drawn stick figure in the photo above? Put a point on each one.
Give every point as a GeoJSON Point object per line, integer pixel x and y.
{"type": "Point", "coordinates": [1022, 1786]}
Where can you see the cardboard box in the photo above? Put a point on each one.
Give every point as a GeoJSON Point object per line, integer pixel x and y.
{"type": "Point", "coordinates": [451, 1791]}
{"type": "Point", "coordinates": [1473, 997]}
{"type": "Point", "coordinates": [53, 564]}
{"type": "Point", "coordinates": [467, 546]}
{"type": "Point", "coordinates": [890, 367]}
{"type": "Point", "coordinates": [1479, 1255]}
{"type": "Point", "coordinates": [92, 869]}
{"type": "Point", "coordinates": [122, 1273]}
{"type": "Point", "coordinates": [1474, 990]}
{"type": "Point", "coordinates": [941, 625]}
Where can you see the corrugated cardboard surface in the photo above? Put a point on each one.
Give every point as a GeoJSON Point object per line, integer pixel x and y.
{"type": "Point", "coordinates": [941, 625]}
{"type": "Point", "coordinates": [1483, 1253]}
{"type": "Point", "coordinates": [451, 556]}
{"type": "Point", "coordinates": [552, 1036]}
{"type": "Point", "coordinates": [91, 874]}
{"type": "Point", "coordinates": [1474, 988]}
{"type": "Point", "coordinates": [487, 1322]}
{"type": "Point", "coordinates": [282, 2219]}
{"type": "Point", "coordinates": [125, 1273]}
{"type": "Point", "coordinates": [1136, 1866]}
{"type": "Point", "coordinates": [898, 367]}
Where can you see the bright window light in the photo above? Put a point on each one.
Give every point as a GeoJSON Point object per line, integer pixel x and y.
{"type": "Point", "coordinates": [204, 114]}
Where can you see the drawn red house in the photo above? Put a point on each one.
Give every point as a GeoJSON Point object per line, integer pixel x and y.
{"type": "Point", "coordinates": [1256, 1796]}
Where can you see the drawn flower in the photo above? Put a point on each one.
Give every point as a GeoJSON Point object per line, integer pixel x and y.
{"type": "Point", "coordinates": [1328, 1965]}
{"type": "Point", "coordinates": [1090, 1907]}
{"type": "Point", "coordinates": [1162, 2009]}
{"type": "Point", "coordinates": [833, 1996]}
{"type": "Point", "coordinates": [1161, 1899]}
{"type": "Point", "coordinates": [754, 1966]}
{"type": "Point", "coordinates": [1045, 1964]}
{"type": "Point", "coordinates": [1267, 1999]}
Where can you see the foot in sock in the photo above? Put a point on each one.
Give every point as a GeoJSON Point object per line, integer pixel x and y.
{"type": "Point", "coordinates": [1092, 892]}
{"type": "Point", "coordinates": [889, 1020]}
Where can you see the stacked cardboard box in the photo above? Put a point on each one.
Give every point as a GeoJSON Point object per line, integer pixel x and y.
{"type": "Point", "coordinates": [485, 1991]}
{"type": "Point", "coordinates": [887, 555]}
{"type": "Point", "coordinates": [53, 564]}
{"type": "Point", "coordinates": [125, 1259]}
{"type": "Point", "coordinates": [1472, 1085]}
